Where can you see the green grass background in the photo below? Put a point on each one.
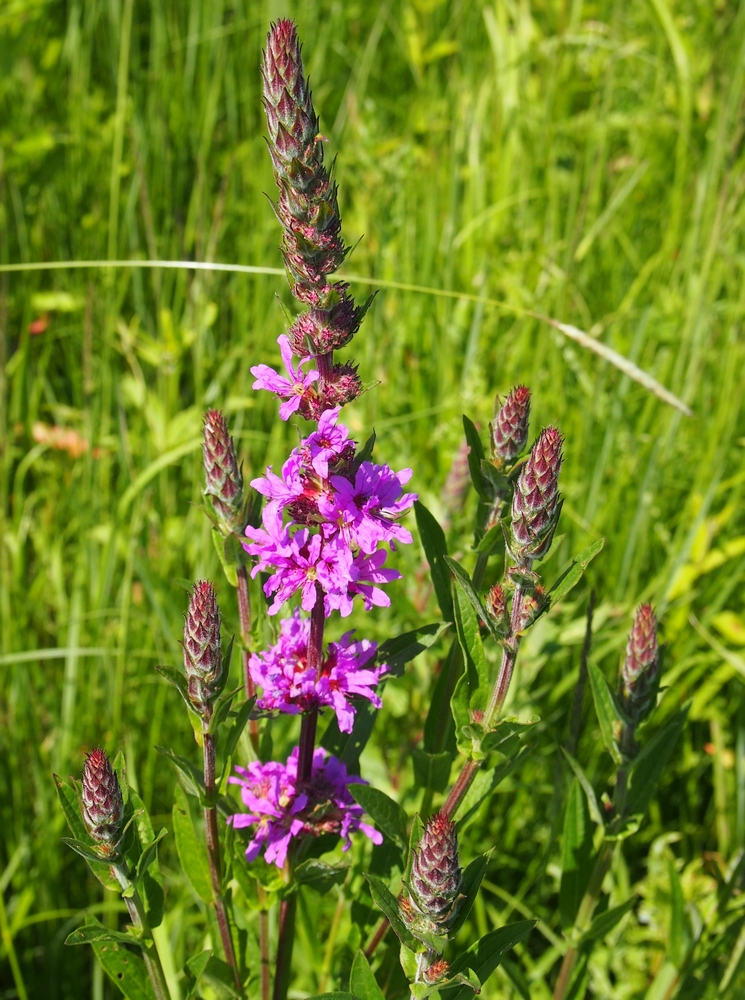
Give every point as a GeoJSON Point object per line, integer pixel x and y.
{"type": "Point", "coordinates": [581, 159]}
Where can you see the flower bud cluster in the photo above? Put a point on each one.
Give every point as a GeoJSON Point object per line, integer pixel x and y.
{"type": "Point", "coordinates": [641, 665]}
{"type": "Point", "coordinates": [205, 675]}
{"type": "Point", "coordinates": [431, 904]}
{"type": "Point", "coordinates": [312, 245]}
{"type": "Point", "coordinates": [223, 476]}
{"type": "Point", "coordinates": [103, 806]}
{"type": "Point", "coordinates": [509, 430]}
{"type": "Point", "coordinates": [536, 504]}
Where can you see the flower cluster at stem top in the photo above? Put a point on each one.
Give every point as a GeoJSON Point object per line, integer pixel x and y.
{"type": "Point", "coordinates": [340, 511]}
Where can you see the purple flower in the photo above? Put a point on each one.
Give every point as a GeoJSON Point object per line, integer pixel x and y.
{"type": "Point", "coordinates": [366, 571]}
{"type": "Point", "coordinates": [364, 511]}
{"type": "Point", "coordinates": [290, 389]}
{"type": "Point", "coordinates": [281, 812]}
{"type": "Point", "coordinates": [289, 685]}
{"type": "Point", "coordinates": [301, 561]}
{"type": "Point", "coordinates": [328, 443]}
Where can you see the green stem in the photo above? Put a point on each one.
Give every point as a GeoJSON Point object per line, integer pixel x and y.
{"type": "Point", "coordinates": [138, 916]}
{"type": "Point", "coordinates": [595, 885]}
{"type": "Point", "coordinates": [493, 708]}
{"type": "Point", "coordinates": [213, 853]}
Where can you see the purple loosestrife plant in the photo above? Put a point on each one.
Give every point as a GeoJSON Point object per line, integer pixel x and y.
{"type": "Point", "coordinates": [331, 518]}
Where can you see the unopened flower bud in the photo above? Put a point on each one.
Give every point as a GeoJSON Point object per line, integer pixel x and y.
{"type": "Point", "coordinates": [202, 653]}
{"type": "Point", "coordinates": [103, 807]}
{"type": "Point", "coordinates": [436, 972]}
{"type": "Point", "coordinates": [509, 431]}
{"type": "Point", "coordinates": [496, 607]}
{"type": "Point", "coordinates": [436, 876]}
{"type": "Point", "coordinates": [223, 476]}
{"type": "Point", "coordinates": [535, 502]}
{"type": "Point", "coordinates": [641, 664]}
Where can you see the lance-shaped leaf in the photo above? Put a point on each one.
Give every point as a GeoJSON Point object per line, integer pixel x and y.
{"type": "Point", "coordinates": [607, 711]}
{"type": "Point", "coordinates": [576, 855]}
{"type": "Point", "coordinates": [193, 970]}
{"type": "Point", "coordinates": [149, 880]}
{"type": "Point", "coordinates": [348, 746]}
{"type": "Point", "coordinates": [388, 815]}
{"type": "Point", "coordinates": [592, 802]}
{"type": "Point", "coordinates": [318, 875]}
{"type": "Point", "coordinates": [435, 550]}
{"type": "Point", "coordinates": [93, 930]}
{"type": "Point", "coordinates": [125, 968]}
{"type": "Point", "coordinates": [234, 733]}
{"type": "Point", "coordinates": [469, 636]}
{"type": "Point", "coordinates": [191, 779]}
{"type": "Point", "coordinates": [574, 572]}
{"type": "Point", "coordinates": [431, 770]}
{"type": "Point", "coordinates": [469, 887]}
{"type": "Point", "coordinates": [386, 901]}
{"type": "Point", "coordinates": [402, 649]}
{"type": "Point", "coordinates": [651, 762]}
{"type": "Point", "coordinates": [362, 982]}
{"type": "Point", "coordinates": [484, 956]}
{"type": "Point", "coordinates": [464, 584]}
{"type": "Point", "coordinates": [190, 848]}
{"type": "Point", "coordinates": [605, 922]}
{"type": "Point", "coordinates": [475, 457]}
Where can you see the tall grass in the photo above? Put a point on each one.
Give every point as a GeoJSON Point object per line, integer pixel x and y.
{"type": "Point", "coordinates": [584, 160]}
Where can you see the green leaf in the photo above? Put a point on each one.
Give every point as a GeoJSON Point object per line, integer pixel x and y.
{"type": "Point", "coordinates": [335, 996]}
{"type": "Point", "coordinates": [177, 678]}
{"type": "Point", "coordinates": [125, 968]}
{"type": "Point", "coordinates": [234, 733]}
{"type": "Point", "coordinates": [219, 975]}
{"type": "Point", "coordinates": [484, 956]}
{"type": "Point", "coordinates": [435, 550]}
{"type": "Point", "coordinates": [417, 832]}
{"type": "Point", "coordinates": [505, 737]}
{"type": "Point", "coordinates": [576, 855]}
{"type": "Point", "coordinates": [498, 483]}
{"type": "Point", "coordinates": [607, 712]}
{"type": "Point", "coordinates": [362, 982]}
{"type": "Point", "coordinates": [574, 572]}
{"type": "Point", "coordinates": [592, 802]}
{"type": "Point", "coordinates": [319, 875]}
{"type": "Point", "coordinates": [465, 585]}
{"type": "Point", "coordinates": [460, 708]}
{"type": "Point", "coordinates": [489, 541]}
{"type": "Point", "coordinates": [193, 971]}
{"type": "Point", "coordinates": [475, 457]}
{"type": "Point", "coordinates": [469, 887]}
{"type": "Point", "coordinates": [387, 814]}
{"type": "Point", "coordinates": [469, 636]}
{"type": "Point", "coordinates": [93, 930]}
{"type": "Point", "coordinates": [651, 762]}
{"type": "Point", "coordinates": [438, 726]}
{"type": "Point", "coordinates": [150, 880]}
{"type": "Point", "coordinates": [364, 454]}
{"type": "Point", "coordinates": [191, 850]}
{"type": "Point", "coordinates": [225, 549]}
{"type": "Point", "coordinates": [148, 856]}
{"type": "Point", "coordinates": [91, 855]}
{"type": "Point", "coordinates": [431, 770]}
{"type": "Point", "coordinates": [605, 922]}
{"type": "Point", "coordinates": [348, 746]}
{"type": "Point", "coordinates": [190, 777]}
{"type": "Point", "coordinates": [386, 901]}
{"type": "Point", "coordinates": [68, 798]}
{"type": "Point", "coordinates": [402, 649]}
